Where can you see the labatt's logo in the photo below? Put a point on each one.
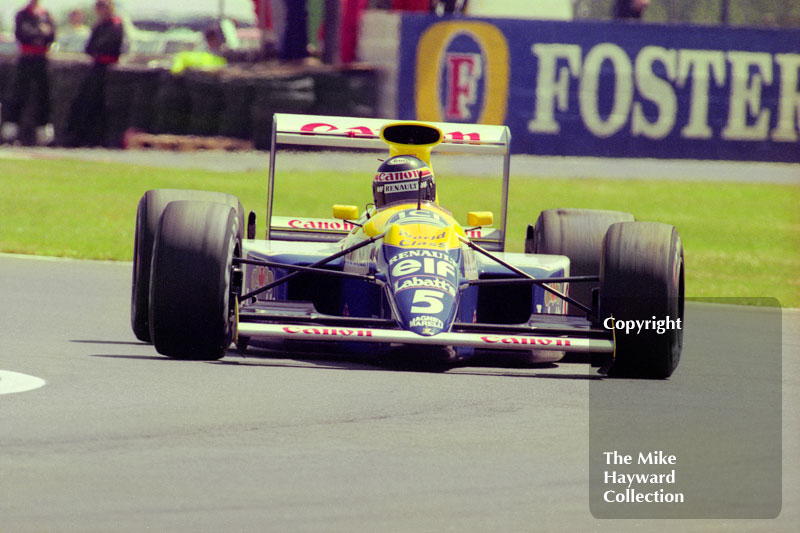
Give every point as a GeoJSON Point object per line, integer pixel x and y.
{"type": "Point", "coordinates": [467, 81]}
{"type": "Point", "coordinates": [426, 282]}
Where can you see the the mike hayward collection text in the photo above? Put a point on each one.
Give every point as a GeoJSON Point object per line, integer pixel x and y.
{"type": "Point", "coordinates": [640, 487]}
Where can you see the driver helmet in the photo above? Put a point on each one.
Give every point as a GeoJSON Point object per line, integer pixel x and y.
{"type": "Point", "coordinates": [403, 178]}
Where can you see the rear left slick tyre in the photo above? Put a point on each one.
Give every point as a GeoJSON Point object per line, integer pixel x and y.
{"type": "Point", "coordinates": [190, 286]}
{"type": "Point", "coordinates": [578, 234]}
{"type": "Point", "coordinates": [642, 279]}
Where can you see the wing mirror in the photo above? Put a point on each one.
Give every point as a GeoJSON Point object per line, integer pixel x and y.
{"type": "Point", "coordinates": [345, 212]}
{"type": "Point", "coordinates": [477, 219]}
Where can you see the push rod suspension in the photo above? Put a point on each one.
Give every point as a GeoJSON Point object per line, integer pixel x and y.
{"type": "Point", "coordinates": [319, 263]}
{"type": "Point", "coordinates": [286, 266]}
{"type": "Point", "coordinates": [533, 281]}
{"type": "Point", "coordinates": [542, 284]}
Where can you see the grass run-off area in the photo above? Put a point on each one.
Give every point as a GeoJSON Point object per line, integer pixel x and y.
{"type": "Point", "coordinates": [740, 240]}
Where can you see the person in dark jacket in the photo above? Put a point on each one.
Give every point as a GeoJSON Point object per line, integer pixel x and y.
{"type": "Point", "coordinates": [35, 31]}
{"type": "Point", "coordinates": [629, 9]}
{"type": "Point", "coordinates": [87, 119]}
{"type": "Point", "coordinates": [294, 44]}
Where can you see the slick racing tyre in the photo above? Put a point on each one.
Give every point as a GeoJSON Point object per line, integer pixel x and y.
{"type": "Point", "coordinates": [578, 234]}
{"type": "Point", "coordinates": [151, 206]}
{"type": "Point", "coordinates": [642, 279]}
{"type": "Point", "coordinates": [191, 308]}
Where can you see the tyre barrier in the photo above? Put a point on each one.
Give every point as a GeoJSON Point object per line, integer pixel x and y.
{"type": "Point", "coordinates": [172, 106]}
{"type": "Point", "coordinates": [235, 120]}
{"type": "Point", "coordinates": [128, 101]}
{"type": "Point", "coordinates": [6, 77]}
{"type": "Point", "coordinates": [278, 95]}
{"type": "Point", "coordinates": [351, 94]}
{"type": "Point", "coordinates": [205, 97]}
{"type": "Point", "coordinates": [237, 102]}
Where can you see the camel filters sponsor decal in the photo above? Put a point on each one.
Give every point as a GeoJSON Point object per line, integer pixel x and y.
{"type": "Point", "coordinates": [425, 287]}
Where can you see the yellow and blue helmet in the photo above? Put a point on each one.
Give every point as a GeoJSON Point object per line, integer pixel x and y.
{"type": "Point", "coordinates": [403, 178]}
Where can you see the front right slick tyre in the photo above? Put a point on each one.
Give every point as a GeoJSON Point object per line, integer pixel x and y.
{"type": "Point", "coordinates": [642, 282]}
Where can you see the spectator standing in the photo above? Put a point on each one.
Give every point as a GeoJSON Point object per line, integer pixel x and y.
{"type": "Point", "coordinates": [87, 119]}
{"type": "Point", "coordinates": [74, 36]}
{"type": "Point", "coordinates": [629, 9]}
{"type": "Point", "coordinates": [35, 31]}
{"type": "Point", "coordinates": [351, 20]}
{"type": "Point", "coordinates": [294, 41]}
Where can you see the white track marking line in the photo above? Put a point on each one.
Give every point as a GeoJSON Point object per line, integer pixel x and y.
{"type": "Point", "coordinates": [29, 257]}
{"type": "Point", "coordinates": [11, 382]}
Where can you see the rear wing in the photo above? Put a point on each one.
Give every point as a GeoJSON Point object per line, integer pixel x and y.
{"type": "Point", "coordinates": [364, 133]}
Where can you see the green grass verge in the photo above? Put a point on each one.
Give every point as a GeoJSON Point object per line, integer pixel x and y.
{"type": "Point", "coordinates": [741, 240]}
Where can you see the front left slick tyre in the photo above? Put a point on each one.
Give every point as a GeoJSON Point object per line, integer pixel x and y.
{"type": "Point", "coordinates": [191, 306]}
{"type": "Point", "coordinates": [151, 207]}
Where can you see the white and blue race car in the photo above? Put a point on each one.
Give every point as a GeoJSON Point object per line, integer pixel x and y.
{"type": "Point", "coordinates": [404, 276]}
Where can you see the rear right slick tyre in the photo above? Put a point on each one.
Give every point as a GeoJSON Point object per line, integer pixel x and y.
{"type": "Point", "coordinates": [148, 213]}
{"type": "Point", "coordinates": [190, 287]}
{"type": "Point", "coordinates": [642, 278]}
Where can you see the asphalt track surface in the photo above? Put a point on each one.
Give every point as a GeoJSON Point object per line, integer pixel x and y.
{"type": "Point", "coordinates": [122, 439]}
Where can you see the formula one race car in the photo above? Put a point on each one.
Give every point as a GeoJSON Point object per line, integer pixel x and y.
{"type": "Point", "coordinates": [404, 276]}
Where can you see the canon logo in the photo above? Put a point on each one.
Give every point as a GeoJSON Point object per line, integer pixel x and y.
{"type": "Point", "coordinates": [328, 331]}
{"type": "Point", "coordinates": [492, 339]}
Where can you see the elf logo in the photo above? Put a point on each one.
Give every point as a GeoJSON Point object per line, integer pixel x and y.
{"type": "Point", "coordinates": [462, 71]}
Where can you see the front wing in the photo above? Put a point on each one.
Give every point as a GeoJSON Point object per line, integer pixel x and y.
{"type": "Point", "coordinates": [494, 341]}
{"type": "Point", "coordinates": [300, 321]}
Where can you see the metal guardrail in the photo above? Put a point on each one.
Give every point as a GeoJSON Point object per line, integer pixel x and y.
{"type": "Point", "coordinates": [769, 13]}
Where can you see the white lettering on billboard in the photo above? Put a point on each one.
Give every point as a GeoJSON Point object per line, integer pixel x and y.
{"type": "Point", "coordinates": [653, 77]}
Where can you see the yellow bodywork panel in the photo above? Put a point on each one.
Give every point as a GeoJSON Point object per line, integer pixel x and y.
{"type": "Point", "coordinates": [345, 212]}
{"type": "Point", "coordinates": [479, 218]}
{"type": "Point", "coordinates": [377, 223]}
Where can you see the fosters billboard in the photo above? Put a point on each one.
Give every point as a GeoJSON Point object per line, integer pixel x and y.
{"type": "Point", "coordinates": [608, 89]}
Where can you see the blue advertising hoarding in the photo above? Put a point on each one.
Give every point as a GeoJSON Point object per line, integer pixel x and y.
{"type": "Point", "coordinates": [608, 89]}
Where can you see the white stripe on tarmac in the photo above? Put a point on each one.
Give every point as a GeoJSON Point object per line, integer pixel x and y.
{"type": "Point", "coordinates": [11, 382]}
